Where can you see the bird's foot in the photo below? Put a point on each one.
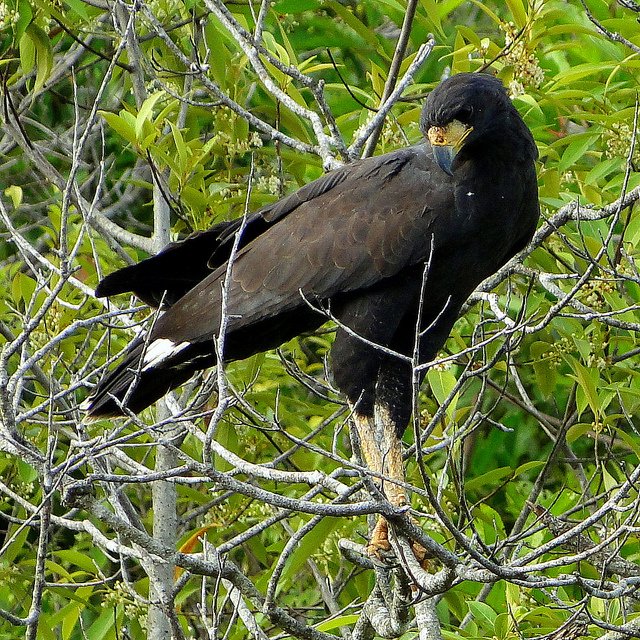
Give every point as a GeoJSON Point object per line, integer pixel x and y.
{"type": "Point", "coordinates": [379, 547]}
{"type": "Point", "coordinates": [423, 557]}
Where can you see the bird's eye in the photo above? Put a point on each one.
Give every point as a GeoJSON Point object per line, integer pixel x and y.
{"type": "Point", "coordinates": [464, 114]}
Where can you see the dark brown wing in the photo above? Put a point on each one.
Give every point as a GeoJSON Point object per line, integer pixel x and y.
{"type": "Point", "coordinates": [180, 266]}
{"type": "Point", "coordinates": [368, 226]}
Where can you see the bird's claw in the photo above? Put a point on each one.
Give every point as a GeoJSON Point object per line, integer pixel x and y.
{"type": "Point", "coordinates": [379, 546]}
{"type": "Point", "coordinates": [422, 555]}
{"type": "Point", "coordinates": [380, 552]}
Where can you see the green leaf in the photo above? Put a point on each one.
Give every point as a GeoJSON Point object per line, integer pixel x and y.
{"type": "Point", "coordinates": [27, 54]}
{"type": "Point", "coordinates": [491, 14]}
{"type": "Point", "coordinates": [307, 547]}
{"type": "Point", "coordinates": [461, 54]}
{"type": "Point", "coordinates": [610, 483]}
{"type": "Point", "coordinates": [528, 466]}
{"type": "Point", "coordinates": [340, 621]}
{"type": "Point", "coordinates": [488, 523]}
{"type": "Point", "coordinates": [79, 7]}
{"type": "Point", "coordinates": [25, 16]}
{"type": "Point", "coordinates": [491, 478]}
{"type": "Point", "coordinates": [72, 614]}
{"type": "Point", "coordinates": [512, 592]}
{"type": "Point", "coordinates": [445, 7]}
{"type": "Point", "coordinates": [589, 380]}
{"type": "Point", "coordinates": [350, 19]}
{"type": "Point", "coordinates": [23, 287]}
{"type": "Point", "coordinates": [123, 124]}
{"type": "Point", "coordinates": [516, 7]}
{"type": "Point", "coordinates": [181, 147]}
{"type": "Point", "coordinates": [580, 71]}
{"type": "Point", "coordinates": [578, 430]}
{"type": "Point", "coordinates": [531, 102]}
{"type": "Point", "coordinates": [146, 110]}
{"type": "Point", "coordinates": [580, 144]}
{"type": "Point", "coordinates": [296, 6]}
{"type": "Point", "coordinates": [77, 559]}
{"type": "Point", "coordinates": [396, 6]}
{"type": "Point", "coordinates": [603, 168]}
{"type": "Point", "coordinates": [16, 547]}
{"type": "Point", "coordinates": [546, 376]}
{"type": "Point", "coordinates": [433, 10]}
{"type": "Point", "coordinates": [482, 611]}
{"type": "Point", "coordinates": [45, 630]}
{"type": "Point", "coordinates": [57, 570]}
{"type": "Point", "coordinates": [470, 36]}
{"type": "Point", "coordinates": [503, 625]}
{"type": "Point", "coordinates": [43, 54]}
{"type": "Point", "coordinates": [629, 440]}
{"type": "Point", "coordinates": [104, 628]}
{"type": "Point", "coordinates": [442, 384]}
{"type": "Point", "coordinates": [15, 193]}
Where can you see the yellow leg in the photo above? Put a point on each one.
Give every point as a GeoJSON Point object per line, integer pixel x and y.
{"type": "Point", "coordinates": [382, 453]}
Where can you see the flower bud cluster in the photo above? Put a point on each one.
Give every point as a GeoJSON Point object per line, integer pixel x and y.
{"type": "Point", "coordinates": [618, 141]}
{"type": "Point", "coordinates": [8, 16]}
{"type": "Point", "coordinates": [527, 72]}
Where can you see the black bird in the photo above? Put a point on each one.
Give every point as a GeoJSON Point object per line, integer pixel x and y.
{"type": "Point", "coordinates": [356, 242]}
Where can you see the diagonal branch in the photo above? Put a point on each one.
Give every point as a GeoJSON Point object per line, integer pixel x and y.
{"type": "Point", "coordinates": [394, 71]}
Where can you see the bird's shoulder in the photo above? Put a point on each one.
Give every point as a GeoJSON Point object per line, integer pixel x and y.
{"type": "Point", "coordinates": [405, 174]}
{"type": "Point", "coordinates": [376, 171]}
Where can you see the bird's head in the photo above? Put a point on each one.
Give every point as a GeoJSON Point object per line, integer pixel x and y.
{"type": "Point", "coordinates": [459, 111]}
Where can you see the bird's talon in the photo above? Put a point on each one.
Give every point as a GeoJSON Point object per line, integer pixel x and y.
{"type": "Point", "coordinates": [424, 558]}
{"type": "Point", "coordinates": [379, 548]}
{"type": "Point", "coordinates": [380, 552]}
{"type": "Point", "coordinates": [380, 535]}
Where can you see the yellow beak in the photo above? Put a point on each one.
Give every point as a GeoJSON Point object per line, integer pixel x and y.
{"type": "Point", "coordinates": [447, 142]}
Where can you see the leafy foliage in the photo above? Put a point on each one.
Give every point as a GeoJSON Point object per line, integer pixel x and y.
{"type": "Point", "coordinates": [529, 420]}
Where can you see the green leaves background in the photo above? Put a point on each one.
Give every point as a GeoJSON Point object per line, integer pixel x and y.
{"type": "Point", "coordinates": [574, 379]}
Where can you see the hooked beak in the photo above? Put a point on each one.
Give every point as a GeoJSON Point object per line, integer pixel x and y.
{"type": "Point", "coordinates": [446, 142]}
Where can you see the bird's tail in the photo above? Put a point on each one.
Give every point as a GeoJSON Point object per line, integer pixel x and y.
{"type": "Point", "coordinates": [135, 384]}
{"type": "Point", "coordinates": [180, 266]}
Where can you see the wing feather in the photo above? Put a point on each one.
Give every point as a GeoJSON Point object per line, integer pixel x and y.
{"type": "Point", "coordinates": [341, 237]}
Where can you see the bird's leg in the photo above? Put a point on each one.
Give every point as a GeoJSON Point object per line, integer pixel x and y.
{"type": "Point", "coordinates": [382, 452]}
{"type": "Point", "coordinates": [390, 445]}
